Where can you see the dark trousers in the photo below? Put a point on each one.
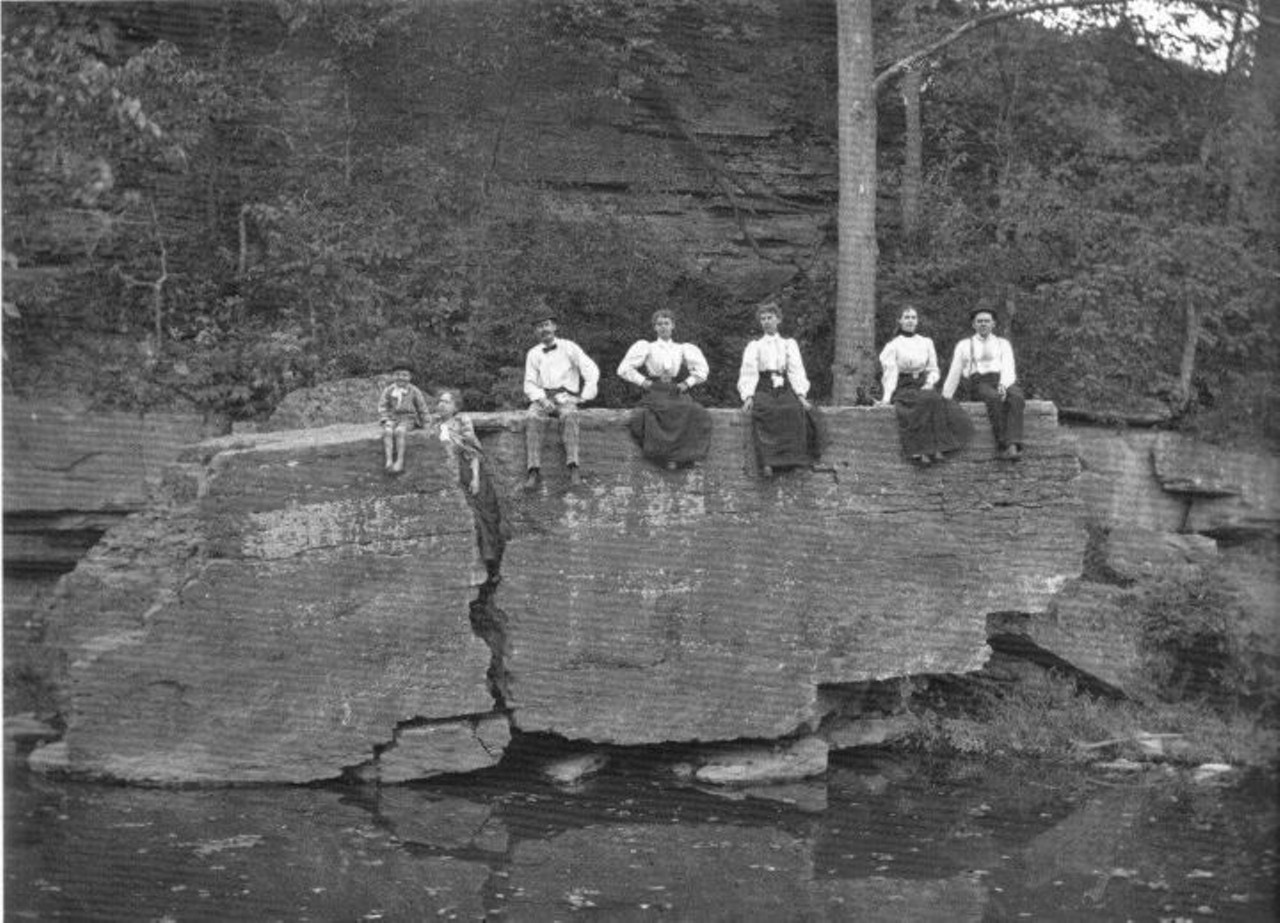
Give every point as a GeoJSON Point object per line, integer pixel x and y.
{"type": "Point", "coordinates": [1005, 414]}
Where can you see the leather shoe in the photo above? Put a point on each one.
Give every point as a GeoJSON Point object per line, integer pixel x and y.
{"type": "Point", "coordinates": [575, 476]}
{"type": "Point", "coordinates": [531, 481]}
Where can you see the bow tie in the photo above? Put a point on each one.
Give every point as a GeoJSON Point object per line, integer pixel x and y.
{"type": "Point", "coordinates": [547, 349]}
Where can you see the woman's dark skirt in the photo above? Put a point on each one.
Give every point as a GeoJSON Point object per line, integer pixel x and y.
{"type": "Point", "coordinates": [671, 426]}
{"type": "Point", "coordinates": [492, 530]}
{"type": "Point", "coordinates": [928, 423]}
{"type": "Point", "coordinates": [785, 434]}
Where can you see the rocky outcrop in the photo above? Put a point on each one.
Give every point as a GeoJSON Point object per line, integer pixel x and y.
{"type": "Point", "coordinates": [313, 607]}
{"type": "Point", "coordinates": [1159, 505]}
{"type": "Point", "coordinates": [71, 474]}
{"type": "Point", "coordinates": [709, 605]}
{"type": "Point", "coordinates": [346, 400]}
{"type": "Point", "coordinates": [1166, 482]}
{"type": "Point", "coordinates": [1230, 494]}
{"type": "Point", "coordinates": [291, 612]}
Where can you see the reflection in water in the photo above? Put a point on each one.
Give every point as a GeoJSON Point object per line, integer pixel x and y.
{"type": "Point", "coordinates": [879, 839]}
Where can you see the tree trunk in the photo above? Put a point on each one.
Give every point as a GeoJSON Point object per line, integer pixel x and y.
{"type": "Point", "coordinates": [912, 161]}
{"type": "Point", "coordinates": [854, 369]}
{"type": "Point", "coordinates": [912, 138]}
{"type": "Point", "coordinates": [1255, 171]}
{"type": "Point", "coordinates": [1187, 367]}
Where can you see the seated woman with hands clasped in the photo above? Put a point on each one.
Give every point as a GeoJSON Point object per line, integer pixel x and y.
{"type": "Point", "coordinates": [775, 394]}
{"type": "Point", "coordinates": [672, 428]}
{"type": "Point", "coordinates": [929, 425]}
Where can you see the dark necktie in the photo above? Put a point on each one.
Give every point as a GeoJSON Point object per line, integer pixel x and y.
{"type": "Point", "coordinates": [547, 349]}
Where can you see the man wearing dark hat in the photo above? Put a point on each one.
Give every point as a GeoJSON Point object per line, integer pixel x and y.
{"type": "Point", "coordinates": [986, 360]}
{"type": "Point", "coordinates": [558, 376]}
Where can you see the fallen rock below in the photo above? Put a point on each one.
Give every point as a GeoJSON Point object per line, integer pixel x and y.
{"type": "Point", "coordinates": [789, 762]}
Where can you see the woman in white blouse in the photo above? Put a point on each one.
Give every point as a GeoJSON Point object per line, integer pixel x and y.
{"type": "Point", "coordinates": [775, 392]}
{"type": "Point", "coordinates": [672, 428]}
{"type": "Point", "coordinates": [929, 425]}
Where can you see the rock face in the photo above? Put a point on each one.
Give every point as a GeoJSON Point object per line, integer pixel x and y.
{"type": "Point", "coordinates": [69, 475]}
{"type": "Point", "coordinates": [293, 612]}
{"type": "Point", "coordinates": [709, 605]}
{"type": "Point", "coordinates": [314, 606]}
{"type": "Point", "coordinates": [1166, 482]}
{"type": "Point", "coordinates": [1160, 503]}
{"type": "Point", "coordinates": [347, 400]}
{"type": "Point", "coordinates": [1231, 494]}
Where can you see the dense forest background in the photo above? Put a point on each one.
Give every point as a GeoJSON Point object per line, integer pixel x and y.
{"type": "Point", "coordinates": [211, 204]}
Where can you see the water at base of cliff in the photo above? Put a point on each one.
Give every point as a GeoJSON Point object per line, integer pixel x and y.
{"type": "Point", "coordinates": [880, 837]}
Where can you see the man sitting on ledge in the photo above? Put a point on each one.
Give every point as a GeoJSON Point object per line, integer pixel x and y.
{"type": "Point", "coordinates": [558, 376]}
{"type": "Point", "coordinates": [985, 361]}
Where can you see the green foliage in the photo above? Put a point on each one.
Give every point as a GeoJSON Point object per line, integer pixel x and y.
{"type": "Point", "coordinates": [1070, 184]}
{"type": "Point", "coordinates": [311, 189]}
{"type": "Point", "coordinates": [1049, 717]}
{"type": "Point", "coordinates": [1197, 634]}
{"type": "Point", "coordinates": [1044, 718]}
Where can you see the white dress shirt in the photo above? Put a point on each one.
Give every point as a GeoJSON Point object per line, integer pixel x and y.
{"type": "Point", "coordinates": [562, 365]}
{"type": "Point", "coordinates": [909, 355]}
{"type": "Point", "coordinates": [980, 356]}
{"type": "Point", "coordinates": [662, 359]}
{"type": "Point", "coordinates": [772, 354]}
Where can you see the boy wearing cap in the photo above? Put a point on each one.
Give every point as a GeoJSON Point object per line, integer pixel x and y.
{"type": "Point", "coordinates": [986, 361]}
{"type": "Point", "coordinates": [558, 376]}
{"type": "Point", "coordinates": [400, 406]}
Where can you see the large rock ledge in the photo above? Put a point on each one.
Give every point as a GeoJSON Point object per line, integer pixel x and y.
{"type": "Point", "coordinates": [286, 611]}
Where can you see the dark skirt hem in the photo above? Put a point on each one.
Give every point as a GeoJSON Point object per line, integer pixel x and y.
{"type": "Point", "coordinates": [670, 426]}
{"type": "Point", "coordinates": [930, 424]}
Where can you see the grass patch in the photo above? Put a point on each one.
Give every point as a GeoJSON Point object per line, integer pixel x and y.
{"type": "Point", "coordinates": [1051, 717]}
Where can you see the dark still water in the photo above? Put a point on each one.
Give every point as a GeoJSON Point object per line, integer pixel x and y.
{"type": "Point", "coordinates": [880, 838]}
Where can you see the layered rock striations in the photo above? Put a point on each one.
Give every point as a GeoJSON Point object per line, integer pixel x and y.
{"type": "Point", "coordinates": [709, 604]}
{"type": "Point", "coordinates": [291, 612]}
{"type": "Point", "coordinates": [312, 608]}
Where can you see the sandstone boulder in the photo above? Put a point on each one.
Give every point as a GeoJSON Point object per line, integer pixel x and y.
{"type": "Point", "coordinates": [707, 604]}
{"type": "Point", "coordinates": [1232, 493]}
{"type": "Point", "coordinates": [1134, 553]}
{"type": "Point", "coordinates": [283, 626]}
{"type": "Point", "coordinates": [293, 612]}
{"type": "Point", "coordinates": [1118, 483]}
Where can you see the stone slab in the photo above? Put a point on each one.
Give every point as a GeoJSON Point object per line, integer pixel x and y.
{"type": "Point", "coordinates": [280, 628]}
{"type": "Point", "coordinates": [1136, 553]}
{"type": "Point", "coordinates": [1232, 493]}
{"type": "Point", "coordinates": [442, 748]}
{"type": "Point", "coordinates": [708, 604]}
{"type": "Point", "coordinates": [300, 609]}
{"type": "Point", "coordinates": [59, 457]}
{"type": "Point", "coordinates": [1118, 482]}
{"type": "Point", "coordinates": [1096, 628]}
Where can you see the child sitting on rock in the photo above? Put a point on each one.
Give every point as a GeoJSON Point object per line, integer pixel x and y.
{"type": "Point", "coordinates": [400, 406]}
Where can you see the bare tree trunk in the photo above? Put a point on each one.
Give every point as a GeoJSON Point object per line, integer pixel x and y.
{"type": "Point", "coordinates": [242, 261]}
{"type": "Point", "coordinates": [854, 368]}
{"type": "Point", "coordinates": [157, 284]}
{"type": "Point", "coordinates": [909, 189]}
{"type": "Point", "coordinates": [1187, 368]}
{"type": "Point", "coordinates": [913, 161]}
{"type": "Point", "coordinates": [1255, 167]}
